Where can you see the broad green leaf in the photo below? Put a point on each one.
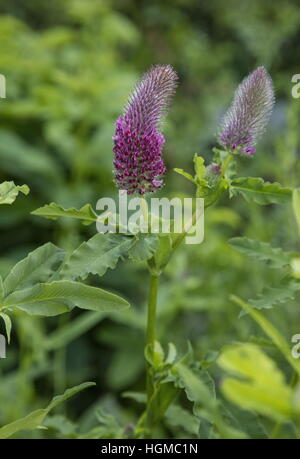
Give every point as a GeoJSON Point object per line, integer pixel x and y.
{"type": "Point", "coordinates": [270, 331]}
{"type": "Point", "coordinates": [143, 247]}
{"type": "Point", "coordinates": [36, 267]}
{"type": "Point", "coordinates": [9, 191]}
{"type": "Point", "coordinates": [7, 323]}
{"type": "Point", "coordinates": [67, 294]}
{"type": "Point", "coordinates": [263, 251]}
{"type": "Point", "coordinates": [36, 418]}
{"type": "Point", "coordinates": [96, 255]}
{"type": "Point", "coordinates": [261, 386]}
{"type": "Point", "coordinates": [54, 211]}
{"type": "Point", "coordinates": [255, 189]}
{"type": "Point", "coordinates": [185, 174]}
{"type": "Point", "coordinates": [296, 205]}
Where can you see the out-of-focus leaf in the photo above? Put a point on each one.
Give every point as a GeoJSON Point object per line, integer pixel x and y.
{"type": "Point", "coordinates": [296, 205]}
{"type": "Point", "coordinates": [9, 191]}
{"type": "Point", "coordinates": [270, 331]}
{"type": "Point", "coordinates": [262, 387]}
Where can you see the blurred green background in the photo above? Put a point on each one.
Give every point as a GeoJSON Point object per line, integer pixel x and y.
{"type": "Point", "coordinates": [69, 67]}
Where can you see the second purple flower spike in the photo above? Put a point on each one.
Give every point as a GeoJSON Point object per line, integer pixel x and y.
{"type": "Point", "coordinates": [138, 142]}
{"type": "Point", "coordinates": [249, 113]}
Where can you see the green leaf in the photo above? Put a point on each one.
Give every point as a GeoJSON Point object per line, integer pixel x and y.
{"type": "Point", "coordinates": [139, 397]}
{"type": "Point", "coordinates": [199, 167]}
{"type": "Point", "coordinates": [185, 174]}
{"type": "Point", "coordinates": [270, 331]}
{"type": "Point", "coordinates": [54, 211]}
{"type": "Point", "coordinates": [36, 418]}
{"type": "Point", "coordinates": [179, 417]}
{"type": "Point", "coordinates": [263, 251]}
{"type": "Point", "coordinates": [143, 247]}
{"type": "Point", "coordinates": [296, 205]}
{"type": "Point", "coordinates": [261, 386]}
{"type": "Point", "coordinates": [274, 295]}
{"type": "Point", "coordinates": [7, 323]}
{"type": "Point", "coordinates": [96, 255]}
{"type": "Point", "coordinates": [36, 267]}
{"type": "Point", "coordinates": [9, 191]}
{"type": "Point", "coordinates": [65, 294]}
{"type": "Point", "coordinates": [255, 189]}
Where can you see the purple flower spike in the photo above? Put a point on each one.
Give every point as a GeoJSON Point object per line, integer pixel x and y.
{"type": "Point", "coordinates": [249, 113]}
{"type": "Point", "coordinates": [138, 143]}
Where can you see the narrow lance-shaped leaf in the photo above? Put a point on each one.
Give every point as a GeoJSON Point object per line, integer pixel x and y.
{"type": "Point", "coordinates": [54, 211]}
{"type": "Point", "coordinates": [38, 299]}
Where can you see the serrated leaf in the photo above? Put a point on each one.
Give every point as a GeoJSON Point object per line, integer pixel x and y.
{"type": "Point", "coordinates": [36, 267]}
{"type": "Point", "coordinates": [64, 294]}
{"type": "Point", "coordinates": [262, 388]}
{"type": "Point", "coordinates": [96, 256]}
{"type": "Point", "coordinates": [176, 416]}
{"type": "Point", "coordinates": [271, 296]}
{"type": "Point", "coordinates": [53, 211]}
{"type": "Point", "coordinates": [36, 418]}
{"type": "Point", "coordinates": [263, 251]}
{"type": "Point", "coordinates": [9, 191]}
{"type": "Point", "coordinates": [7, 323]}
{"type": "Point", "coordinates": [143, 247]}
{"type": "Point", "coordinates": [255, 189]}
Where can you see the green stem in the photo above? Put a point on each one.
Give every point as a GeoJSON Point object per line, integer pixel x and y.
{"type": "Point", "coordinates": [150, 342]}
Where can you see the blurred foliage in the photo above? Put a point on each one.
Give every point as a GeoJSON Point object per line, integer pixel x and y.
{"type": "Point", "coordinates": [69, 67]}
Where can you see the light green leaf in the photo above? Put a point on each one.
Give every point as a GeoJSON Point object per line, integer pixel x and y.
{"type": "Point", "coordinates": [255, 189]}
{"type": "Point", "coordinates": [270, 331]}
{"type": "Point", "coordinates": [96, 255]}
{"type": "Point", "coordinates": [64, 294]}
{"type": "Point", "coordinates": [9, 191]}
{"type": "Point", "coordinates": [263, 251]}
{"type": "Point", "coordinates": [36, 418]}
{"type": "Point", "coordinates": [199, 167]}
{"type": "Point", "coordinates": [36, 267]}
{"type": "Point", "coordinates": [139, 397]}
{"type": "Point", "coordinates": [54, 211]}
{"type": "Point", "coordinates": [262, 388]}
{"type": "Point", "coordinates": [176, 416]}
{"type": "Point", "coordinates": [185, 174]}
{"type": "Point", "coordinates": [7, 323]}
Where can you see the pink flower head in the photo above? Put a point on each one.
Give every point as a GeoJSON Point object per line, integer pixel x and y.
{"type": "Point", "coordinates": [138, 143]}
